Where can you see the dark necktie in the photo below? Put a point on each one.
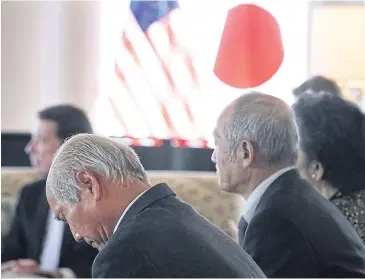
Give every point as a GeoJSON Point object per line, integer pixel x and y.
{"type": "Point", "coordinates": [242, 227]}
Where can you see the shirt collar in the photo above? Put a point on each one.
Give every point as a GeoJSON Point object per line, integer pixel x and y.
{"type": "Point", "coordinates": [125, 211]}
{"type": "Point", "coordinates": [256, 195]}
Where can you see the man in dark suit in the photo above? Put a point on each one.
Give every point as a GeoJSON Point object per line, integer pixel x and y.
{"type": "Point", "coordinates": [99, 187]}
{"type": "Point", "coordinates": [288, 228]}
{"type": "Point", "coordinates": [37, 243]}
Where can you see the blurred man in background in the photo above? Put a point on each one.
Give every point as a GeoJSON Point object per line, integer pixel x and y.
{"type": "Point", "coordinates": [37, 243]}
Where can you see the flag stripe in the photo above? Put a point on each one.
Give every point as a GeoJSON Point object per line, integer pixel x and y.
{"type": "Point", "coordinates": [155, 77]}
{"type": "Point", "coordinates": [118, 116]}
{"type": "Point", "coordinates": [131, 96]}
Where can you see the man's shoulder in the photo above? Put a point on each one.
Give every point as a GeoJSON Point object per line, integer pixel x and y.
{"type": "Point", "coordinates": [34, 187]}
{"type": "Point", "coordinates": [150, 220]}
{"type": "Point", "coordinates": [290, 191]}
{"type": "Point", "coordinates": [293, 200]}
{"type": "Point", "coordinates": [148, 225]}
{"type": "Point", "coordinates": [31, 193]}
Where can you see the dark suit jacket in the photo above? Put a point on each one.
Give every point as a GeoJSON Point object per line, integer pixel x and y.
{"type": "Point", "coordinates": [161, 236]}
{"type": "Point", "coordinates": [26, 236]}
{"type": "Point", "coordinates": [295, 232]}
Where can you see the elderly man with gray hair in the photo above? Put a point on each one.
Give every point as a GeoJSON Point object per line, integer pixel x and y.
{"type": "Point", "coordinates": [288, 228]}
{"type": "Point", "coordinates": [99, 187]}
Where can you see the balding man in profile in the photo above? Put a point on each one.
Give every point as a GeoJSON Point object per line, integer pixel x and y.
{"type": "Point", "coordinates": [99, 187]}
{"type": "Point", "coordinates": [288, 228]}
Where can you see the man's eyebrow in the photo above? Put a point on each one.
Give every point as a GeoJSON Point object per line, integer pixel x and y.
{"type": "Point", "coordinates": [61, 219]}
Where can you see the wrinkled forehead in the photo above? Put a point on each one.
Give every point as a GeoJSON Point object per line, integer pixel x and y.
{"type": "Point", "coordinates": [45, 128]}
{"type": "Point", "coordinates": [223, 120]}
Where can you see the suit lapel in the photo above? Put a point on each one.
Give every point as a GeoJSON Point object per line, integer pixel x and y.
{"type": "Point", "coordinates": [41, 227]}
{"type": "Point", "coordinates": [281, 181]}
{"type": "Point", "coordinates": [242, 227]}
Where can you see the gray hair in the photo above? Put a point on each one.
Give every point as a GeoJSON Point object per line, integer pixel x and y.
{"type": "Point", "coordinates": [268, 123]}
{"type": "Point", "coordinates": [104, 156]}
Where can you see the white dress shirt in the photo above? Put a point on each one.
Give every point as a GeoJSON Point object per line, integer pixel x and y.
{"type": "Point", "coordinates": [125, 211]}
{"type": "Point", "coordinates": [259, 191]}
{"type": "Point", "coordinates": [50, 257]}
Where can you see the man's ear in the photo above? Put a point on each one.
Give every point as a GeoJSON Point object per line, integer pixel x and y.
{"type": "Point", "coordinates": [316, 170]}
{"type": "Point", "coordinates": [88, 183]}
{"type": "Point", "coordinates": [247, 153]}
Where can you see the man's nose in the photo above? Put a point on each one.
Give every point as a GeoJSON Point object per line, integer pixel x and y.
{"type": "Point", "coordinates": [77, 237]}
{"type": "Point", "coordinates": [213, 158]}
{"type": "Point", "coordinates": [29, 147]}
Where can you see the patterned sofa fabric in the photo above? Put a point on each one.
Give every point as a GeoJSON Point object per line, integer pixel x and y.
{"type": "Point", "coordinates": [203, 193]}
{"type": "Point", "coordinates": [11, 181]}
{"type": "Point", "coordinates": [198, 189]}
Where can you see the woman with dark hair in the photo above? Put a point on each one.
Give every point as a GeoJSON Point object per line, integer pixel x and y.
{"type": "Point", "coordinates": [332, 152]}
{"type": "Point", "coordinates": [317, 84]}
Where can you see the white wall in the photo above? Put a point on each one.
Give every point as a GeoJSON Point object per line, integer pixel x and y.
{"type": "Point", "coordinates": [50, 54]}
{"type": "Point", "coordinates": [345, 62]}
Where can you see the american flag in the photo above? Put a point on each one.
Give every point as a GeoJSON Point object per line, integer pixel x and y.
{"type": "Point", "coordinates": [155, 78]}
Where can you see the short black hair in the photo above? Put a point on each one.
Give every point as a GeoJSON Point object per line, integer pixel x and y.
{"type": "Point", "coordinates": [332, 132]}
{"type": "Point", "coordinates": [317, 84]}
{"type": "Point", "coordinates": [69, 120]}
